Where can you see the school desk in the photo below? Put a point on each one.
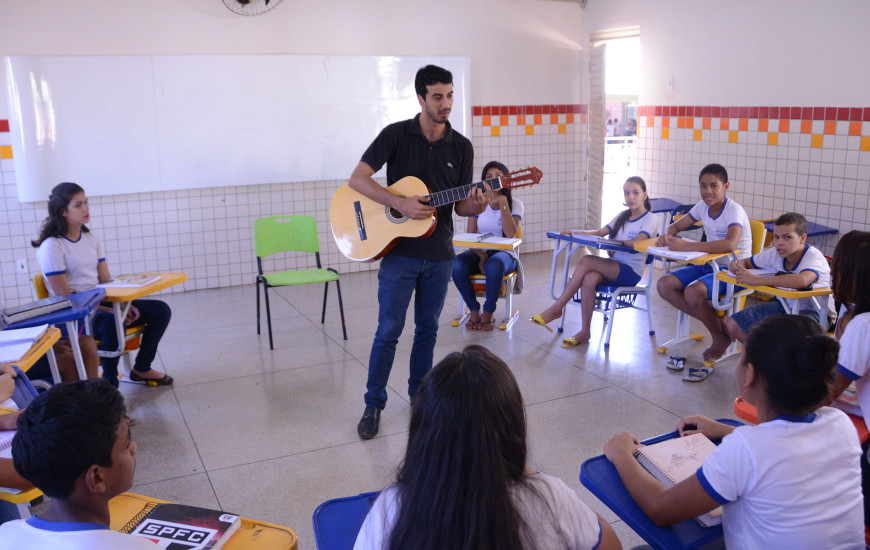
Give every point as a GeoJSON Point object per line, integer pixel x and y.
{"type": "Point", "coordinates": [790, 299]}
{"type": "Point", "coordinates": [813, 229]}
{"type": "Point", "coordinates": [663, 206]}
{"type": "Point", "coordinates": [38, 349]}
{"type": "Point", "coordinates": [83, 304]}
{"type": "Point", "coordinates": [122, 299]}
{"type": "Point", "coordinates": [251, 535]}
{"type": "Point", "coordinates": [568, 245]}
{"type": "Point", "coordinates": [21, 499]}
{"type": "Point", "coordinates": [338, 521]}
{"type": "Point", "coordinates": [683, 320]}
{"type": "Point", "coordinates": [601, 478]}
{"type": "Point", "coordinates": [473, 240]}
{"type": "Point", "coordinates": [748, 412]}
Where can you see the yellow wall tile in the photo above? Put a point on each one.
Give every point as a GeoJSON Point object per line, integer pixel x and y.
{"type": "Point", "coordinates": [865, 143]}
{"type": "Point", "coordinates": [496, 131]}
{"type": "Point", "coordinates": [784, 125]}
{"type": "Point", "coordinates": [855, 128]}
{"type": "Point", "coordinates": [732, 137]}
{"type": "Point", "coordinates": [806, 126]}
{"type": "Point", "coordinates": [563, 128]}
{"type": "Point", "coordinates": [530, 130]}
{"type": "Point", "coordinates": [773, 138]}
{"type": "Point", "coordinates": [743, 124]}
{"type": "Point", "coordinates": [697, 135]}
{"type": "Point", "coordinates": [487, 121]}
{"type": "Point", "coordinates": [762, 124]}
{"type": "Point", "coordinates": [830, 126]}
{"type": "Point", "coordinates": [5, 151]}
{"type": "Point", "coordinates": [817, 140]}
{"type": "Point", "coordinates": [665, 133]}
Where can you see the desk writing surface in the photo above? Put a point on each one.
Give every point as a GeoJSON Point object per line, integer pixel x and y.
{"type": "Point", "coordinates": [38, 349]}
{"type": "Point", "coordinates": [642, 246]}
{"type": "Point", "coordinates": [127, 294]}
{"type": "Point", "coordinates": [663, 204]}
{"type": "Point", "coordinates": [463, 240]}
{"type": "Point", "coordinates": [813, 229]}
{"type": "Point", "coordinates": [83, 303]}
{"type": "Point", "coordinates": [251, 534]}
{"type": "Point", "coordinates": [726, 277]}
{"type": "Point", "coordinates": [585, 240]}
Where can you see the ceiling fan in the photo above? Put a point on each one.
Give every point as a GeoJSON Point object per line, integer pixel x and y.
{"type": "Point", "coordinates": [250, 7]}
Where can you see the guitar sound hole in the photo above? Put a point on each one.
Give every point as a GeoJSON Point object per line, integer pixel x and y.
{"type": "Point", "coordinates": [394, 215]}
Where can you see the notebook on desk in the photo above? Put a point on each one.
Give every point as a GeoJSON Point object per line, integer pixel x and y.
{"type": "Point", "coordinates": [30, 310]}
{"type": "Point", "coordinates": [130, 281]}
{"type": "Point", "coordinates": [673, 460]}
{"type": "Point", "coordinates": [181, 526]}
{"type": "Point", "coordinates": [15, 343]}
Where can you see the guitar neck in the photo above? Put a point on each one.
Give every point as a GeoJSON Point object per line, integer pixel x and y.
{"type": "Point", "coordinates": [456, 194]}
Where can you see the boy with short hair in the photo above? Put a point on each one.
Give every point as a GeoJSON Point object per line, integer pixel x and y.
{"type": "Point", "coordinates": [74, 444]}
{"type": "Point", "coordinates": [798, 266]}
{"type": "Point", "coordinates": [689, 289]}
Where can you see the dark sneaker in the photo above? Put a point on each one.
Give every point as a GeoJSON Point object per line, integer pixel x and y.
{"type": "Point", "coordinates": [369, 423]}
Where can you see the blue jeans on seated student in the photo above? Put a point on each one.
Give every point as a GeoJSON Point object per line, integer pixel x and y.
{"type": "Point", "coordinates": [751, 315]}
{"type": "Point", "coordinates": [497, 266]}
{"type": "Point", "coordinates": [398, 278]}
{"type": "Point", "coordinates": [153, 313]}
{"type": "Point", "coordinates": [704, 273]}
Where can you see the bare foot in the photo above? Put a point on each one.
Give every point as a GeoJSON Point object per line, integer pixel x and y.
{"type": "Point", "coordinates": [583, 336]}
{"type": "Point", "coordinates": [550, 315]}
{"type": "Point", "coordinates": [486, 322]}
{"type": "Point", "coordinates": [717, 348]}
{"type": "Point", "coordinates": [473, 321]}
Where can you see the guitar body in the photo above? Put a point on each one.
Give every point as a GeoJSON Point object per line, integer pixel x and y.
{"type": "Point", "coordinates": [365, 230]}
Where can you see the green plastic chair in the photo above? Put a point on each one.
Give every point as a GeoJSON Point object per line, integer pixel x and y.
{"type": "Point", "coordinates": [276, 234]}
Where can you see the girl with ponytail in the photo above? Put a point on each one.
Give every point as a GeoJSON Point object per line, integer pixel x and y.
{"type": "Point", "coordinates": [623, 269]}
{"type": "Point", "coordinates": [794, 480]}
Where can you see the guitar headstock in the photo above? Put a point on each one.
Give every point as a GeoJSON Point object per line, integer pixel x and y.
{"type": "Point", "coordinates": [521, 178]}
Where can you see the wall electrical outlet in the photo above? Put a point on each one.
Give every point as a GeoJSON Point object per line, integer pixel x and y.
{"type": "Point", "coordinates": [21, 266]}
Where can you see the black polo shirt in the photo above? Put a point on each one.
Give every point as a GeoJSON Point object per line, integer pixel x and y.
{"type": "Point", "coordinates": [441, 165]}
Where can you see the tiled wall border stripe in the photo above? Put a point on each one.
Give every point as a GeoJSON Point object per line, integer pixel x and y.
{"type": "Point", "coordinates": [854, 114]}
{"type": "Point", "coordinates": [527, 117]}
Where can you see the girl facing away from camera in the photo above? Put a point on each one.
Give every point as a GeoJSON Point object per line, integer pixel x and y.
{"type": "Point", "coordinates": [465, 483]}
{"type": "Point", "coordinates": [793, 481]}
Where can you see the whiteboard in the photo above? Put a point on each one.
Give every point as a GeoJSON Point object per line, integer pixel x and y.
{"type": "Point", "coordinates": [131, 124]}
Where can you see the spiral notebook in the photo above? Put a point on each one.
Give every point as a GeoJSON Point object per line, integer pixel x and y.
{"type": "Point", "coordinates": [179, 526]}
{"type": "Point", "coordinates": [673, 460]}
{"type": "Point", "coordinates": [15, 343]}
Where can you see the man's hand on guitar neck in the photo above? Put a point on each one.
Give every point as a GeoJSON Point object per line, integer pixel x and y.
{"type": "Point", "coordinates": [476, 201]}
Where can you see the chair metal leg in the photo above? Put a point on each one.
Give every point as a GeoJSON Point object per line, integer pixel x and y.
{"type": "Point", "coordinates": [341, 309]}
{"type": "Point", "coordinates": [323, 310]}
{"type": "Point", "coordinates": [258, 304]}
{"type": "Point", "coordinates": [268, 313]}
{"type": "Point", "coordinates": [614, 297]}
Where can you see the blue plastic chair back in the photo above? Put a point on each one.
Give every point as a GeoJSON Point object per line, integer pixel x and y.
{"type": "Point", "coordinates": [337, 522]}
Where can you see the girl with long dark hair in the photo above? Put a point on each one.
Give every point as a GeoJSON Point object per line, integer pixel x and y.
{"type": "Point", "coordinates": [464, 482]}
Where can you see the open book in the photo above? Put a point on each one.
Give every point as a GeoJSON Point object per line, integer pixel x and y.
{"type": "Point", "coordinates": [673, 460]}
{"type": "Point", "coordinates": [482, 238]}
{"type": "Point", "coordinates": [130, 281]}
{"type": "Point", "coordinates": [15, 343]}
{"type": "Point", "coordinates": [6, 452]}
{"type": "Point", "coordinates": [181, 526]}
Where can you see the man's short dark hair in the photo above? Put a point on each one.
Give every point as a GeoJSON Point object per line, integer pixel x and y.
{"type": "Point", "coordinates": [798, 220]}
{"type": "Point", "coordinates": [65, 431]}
{"type": "Point", "coordinates": [429, 75]}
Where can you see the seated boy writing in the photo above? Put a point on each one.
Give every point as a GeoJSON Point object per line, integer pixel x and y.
{"type": "Point", "coordinates": [797, 265]}
{"type": "Point", "coordinates": [74, 444]}
{"type": "Point", "coordinates": [689, 289]}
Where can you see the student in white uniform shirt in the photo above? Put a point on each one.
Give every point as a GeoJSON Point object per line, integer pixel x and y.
{"type": "Point", "coordinates": [501, 218]}
{"type": "Point", "coordinates": [794, 480]}
{"type": "Point", "coordinates": [464, 481]}
{"type": "Point", "coordinates": [850, 275]}
{"type": "Point", "coordinates": [622, 268]}
{"type": "Point", "coordinates": [798, 266]}
{"type": "Point", "coordinates": [690, 288]}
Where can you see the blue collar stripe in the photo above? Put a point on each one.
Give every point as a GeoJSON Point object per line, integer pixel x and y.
{"type": "Point", "coordinates": [63, 526]}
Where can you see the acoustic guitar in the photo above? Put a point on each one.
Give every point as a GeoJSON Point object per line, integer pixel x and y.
{"type": "Point", "coordinates": [365, 230]}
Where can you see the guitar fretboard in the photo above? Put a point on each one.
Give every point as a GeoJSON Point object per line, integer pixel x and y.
{"type": "Point", "coordinates": [440, 198]}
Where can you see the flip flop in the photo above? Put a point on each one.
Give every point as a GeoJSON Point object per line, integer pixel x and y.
{"type": "Point", "coordinates": [676, 364]}
{"type": "Point", "coordinates": [539, 320]}
{"type": "Point", "coordinates": [571, 342]}
{"type": "Point", "coordinates": [472, 325]}
{"type": "Point", "coordinates": [487, 326]}
{"type": "Point", "coordinates": [696, 374]}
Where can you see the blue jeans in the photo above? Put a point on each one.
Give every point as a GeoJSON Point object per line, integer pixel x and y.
{"type": "Point", "coordinates": [153, 313]}
{"type": "Point", "coordinates": [497, 266]}
{"type": "Point", "coordinates": [398, 277]}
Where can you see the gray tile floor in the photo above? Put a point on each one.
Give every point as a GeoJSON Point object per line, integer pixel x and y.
{"type": "Point", "coordinates": [272, 434]}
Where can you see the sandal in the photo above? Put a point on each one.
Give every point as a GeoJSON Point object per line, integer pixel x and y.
{"type": "Point", "coordinates": [676, 364]}
{"type": "Point", "coordinates": [472, 325]}
{"type": "Point", "coordinates": [486, 326]}
{"type": "Point", "coordinates": [571, 342]}
{"type": "Point", "coordinates": [696, 374]}
{"type": "Point", "coordinates": [539, 320]}
{"type": "Point", "coordinates": [165, 381]}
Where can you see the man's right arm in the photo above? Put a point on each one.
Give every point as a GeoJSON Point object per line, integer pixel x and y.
{"type": "Point", "coordinates": [361, 181]}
